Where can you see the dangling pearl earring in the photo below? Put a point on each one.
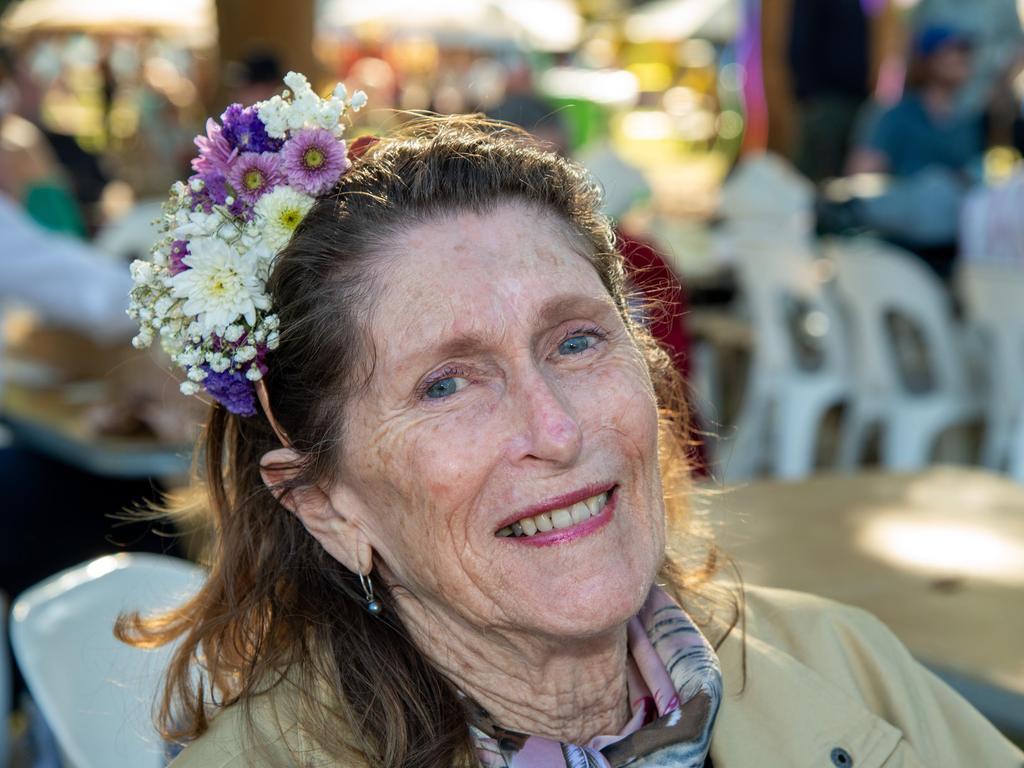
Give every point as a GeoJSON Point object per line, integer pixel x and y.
{"type": "Point", "coordinates": [372, 604]}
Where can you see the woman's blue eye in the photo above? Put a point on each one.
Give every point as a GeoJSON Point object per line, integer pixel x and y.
{"type": "Point", "coordinates": [574, 345]}
{"type": "Point", "coordinates": [445, 387]}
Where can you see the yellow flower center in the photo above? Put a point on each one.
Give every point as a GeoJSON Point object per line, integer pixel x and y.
{"type": "Point", "coordinates": [253, 179]}
{"type": "Point", "coordinates": [290, 218]}
{"type": "Point", "coordinates": [313, 158]}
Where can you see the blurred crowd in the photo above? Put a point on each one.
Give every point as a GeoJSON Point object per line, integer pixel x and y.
{"type": "Point", "coordinates": [929, 133]}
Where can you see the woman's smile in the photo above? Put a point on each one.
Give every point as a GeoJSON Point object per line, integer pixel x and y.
{"type": "Point", "coordinates": [563, 519]}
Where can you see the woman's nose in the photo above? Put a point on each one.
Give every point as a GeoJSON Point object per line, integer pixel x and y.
{"type": "Point", "coordinates": [549, 428]}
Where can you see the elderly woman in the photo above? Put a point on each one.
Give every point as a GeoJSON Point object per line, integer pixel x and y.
{"type": "Point", "coordinates": [442, 512]}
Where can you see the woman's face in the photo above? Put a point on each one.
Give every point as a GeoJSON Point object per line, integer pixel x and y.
{"type": "Point", "coordinates": [503, 460]}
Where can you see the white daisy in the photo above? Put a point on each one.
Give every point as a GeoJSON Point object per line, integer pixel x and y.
{"type": "Point", "coordinates": [279, 213]}
{"type": "Point", "coordinates": [220, 287]}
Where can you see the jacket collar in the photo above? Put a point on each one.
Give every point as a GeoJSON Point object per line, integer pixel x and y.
{"type": "Point", "coordinates": [784, 712]}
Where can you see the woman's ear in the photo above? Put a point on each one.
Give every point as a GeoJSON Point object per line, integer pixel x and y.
{"type": "Point", "coordinates": [336, 532]}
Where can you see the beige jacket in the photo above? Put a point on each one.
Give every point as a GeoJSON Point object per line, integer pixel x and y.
{"type": "Point", "coordinates": [826, 685]}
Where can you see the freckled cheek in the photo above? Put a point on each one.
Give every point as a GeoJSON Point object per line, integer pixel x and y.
{"type": "Point", "coordinates": [619, 399]}
{"type": "Point", "coordinates": [447, 467]}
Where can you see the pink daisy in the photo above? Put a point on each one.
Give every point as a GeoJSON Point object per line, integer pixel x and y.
{"type": "Point", "coordinates": [314, 160]}
{"type": "Point", "coordinates": [215, 151]}
{"type": "Point", "coordinates": [253, 174]}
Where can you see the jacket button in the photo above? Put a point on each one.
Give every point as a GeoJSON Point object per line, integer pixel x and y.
{"type": "Point", "coordinates": [841, 758]}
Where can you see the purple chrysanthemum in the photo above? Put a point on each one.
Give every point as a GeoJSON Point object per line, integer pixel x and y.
{"type": "Point", "coordinates": [232, 390]}
{"type": "Point", "coordinates": [179, 250]}
{"type": "Point", "coordinates": [254, 174]}
{"type": "Point", "coordinates": [214, 190]}
{"type": "Point", "coordinates": [215, 151]}
{"type": "Point", "coordinates": [244, 130]}
{"type": "Point", "coordinates": [314, 160]}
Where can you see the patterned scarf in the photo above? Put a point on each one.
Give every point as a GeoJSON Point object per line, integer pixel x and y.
{"type": "Point", "coordinates": [675, 686]}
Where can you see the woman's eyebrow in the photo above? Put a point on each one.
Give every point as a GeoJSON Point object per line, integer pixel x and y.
{"type": "Point", "coordinates": [563, 305]}
{"type": "Point", "coordinates": [470, 343]}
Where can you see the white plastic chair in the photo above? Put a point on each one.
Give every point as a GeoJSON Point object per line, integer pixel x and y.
{"type": "Point", "coordinates": [876, 282]}
{"type": "Point", "coordinates": [132, 235]}
{"type": "Point", "coordinates": [786, 396]}
{"type": "Point", "coordinates": [993, 299]}
{"type": "Point", "coordinates": [767, 197]}
{"type": "Point", "coordinates": [96, 693]}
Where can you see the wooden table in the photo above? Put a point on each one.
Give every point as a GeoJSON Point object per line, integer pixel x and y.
{"type": "Point", "coordinates": [938, 556]}
{"type": "Point", "coordinates": [47, 422]}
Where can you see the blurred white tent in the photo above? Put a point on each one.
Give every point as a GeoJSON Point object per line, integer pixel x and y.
{"type": "Point", "coordinates": [549, 25]}
{"type": "Point", "coordinates": [717, 20]}
{"type": "Point", "coordinates": [193, 21]}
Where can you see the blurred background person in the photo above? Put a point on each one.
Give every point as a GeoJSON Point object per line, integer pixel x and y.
{"type": "Point", "coordinates": [930, 146]}
{"type": "Point", "coordinates": [30, 170]}
{"type": "Point", "coordinates": [926, 128]}
{"type": "Point", "coordinates": [829, 67]}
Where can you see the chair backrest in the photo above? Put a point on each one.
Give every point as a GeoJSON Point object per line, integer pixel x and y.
{"type": "Point", "coordinates": [96, 693]}
{"type": "Point", "coordinates": [766, 188]}
{"type": "Point", "coordinates": [132, 235]}
{"type": "Point", "coordinates": [877, 281]}
{"type": "Point", "coordinates": [993, 300]}
{"type": "Point", "coordinates": [792, 311]}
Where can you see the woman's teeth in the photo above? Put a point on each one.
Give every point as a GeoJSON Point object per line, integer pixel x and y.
{"type": "Point", "coordinates": [557, 518]}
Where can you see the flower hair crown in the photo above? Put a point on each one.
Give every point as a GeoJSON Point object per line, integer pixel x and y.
{"type": "Point", "coordinates": [203, 291]}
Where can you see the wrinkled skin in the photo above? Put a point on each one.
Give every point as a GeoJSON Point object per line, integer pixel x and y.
{"type": "Point", "coordinates": [504, 377]}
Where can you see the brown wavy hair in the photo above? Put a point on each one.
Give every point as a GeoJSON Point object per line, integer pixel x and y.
{"type": "Point", "coordinates": [276, 606]}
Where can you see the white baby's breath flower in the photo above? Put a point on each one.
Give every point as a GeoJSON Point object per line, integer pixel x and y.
{"type": "Point", "coordinates": [328, 115]}
{"type": "Point", "coordinates": [279, 213]}
{"type": "Point", "coordinates": [220, 286]}
{"type": "Point", "coordinates": [197, 374]}
{"type": "Point", "coordinates": [296, 82]}
{"type": "Point", "coordinates": [271, 322]}
{"type": "Point", "coordinates": [358, 100]}
{"type": "Point", "coordinates": [141, 271]}
{"type": "Point", "coordinates": [189, 388]}
{"type": "Point", "coordinates": [233, 333]}
{"type": "Point", "coordinates": [197, 224]}
{"type": "Point", "coordinates": [254, 373]}
{"type": "Point", "coordinates": [273, 340]}
{"type": "Point", "coordinates": [218, 362]}
{"type": "Point", "coordinates": [163, 306]}
{"type": "Point", "coordinates": [340, 92]}
{"type": "Point", "coordinates": [245, 354]}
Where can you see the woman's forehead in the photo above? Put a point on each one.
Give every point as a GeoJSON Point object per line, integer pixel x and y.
{"type": "Point", "coordinates": [513, 256]}
{"type": "Point", "coordinates": [480, 274]}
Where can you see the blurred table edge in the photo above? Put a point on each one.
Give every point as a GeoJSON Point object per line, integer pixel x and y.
{"type": "Point", "coordinates": [46, 421]}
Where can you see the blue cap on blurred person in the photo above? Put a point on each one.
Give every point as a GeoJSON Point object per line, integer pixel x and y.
{"type": "Point", "coordinates": [935, 36]}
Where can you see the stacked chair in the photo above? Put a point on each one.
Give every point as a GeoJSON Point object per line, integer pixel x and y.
{"type": "Point", "coordinates": [993, 301]}
{"type": "Point", "coordinates": [882, 286]}
{"type": "Point", "coordinates": [96, 693]}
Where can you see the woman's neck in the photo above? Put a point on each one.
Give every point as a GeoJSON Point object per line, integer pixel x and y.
{"type": "Point", "coordinates": [544, 687]}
